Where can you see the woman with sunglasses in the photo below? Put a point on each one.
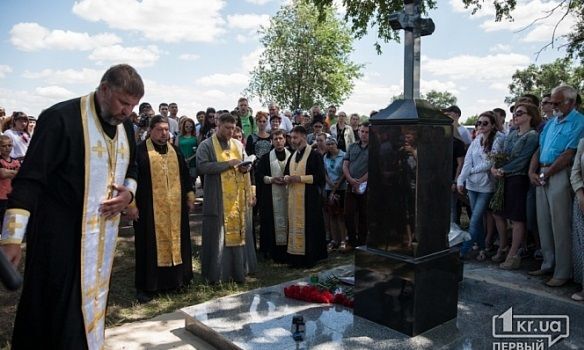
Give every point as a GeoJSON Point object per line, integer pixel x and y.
{"type": "Point", "coordinates": [476, 178]}
{"type": "Point", "coordinates": [519, 146]}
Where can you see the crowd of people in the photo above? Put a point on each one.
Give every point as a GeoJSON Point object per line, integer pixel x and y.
{"type": "Point", "coordinates": [526, 174]}
{"type": "Point", "coordinates": [287, 186]}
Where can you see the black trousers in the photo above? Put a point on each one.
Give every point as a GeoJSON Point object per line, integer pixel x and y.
{"type": "Point", "coordinates": [356, 217]}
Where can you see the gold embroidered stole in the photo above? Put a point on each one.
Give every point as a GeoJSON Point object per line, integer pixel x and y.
{"type": "Point", "coordinates": [233, 191]}
{"type": "Point", "coordinates": [296, 210]}
{"type": "Point", "coordinates": [279, 199]}
{"type": "Point", "coordinates": [167, 204]}
{"type": "Point", "coordinates": [106, 162]}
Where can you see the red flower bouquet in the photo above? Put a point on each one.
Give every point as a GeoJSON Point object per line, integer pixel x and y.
{"type": "Point", "coordinates": [320, 293]}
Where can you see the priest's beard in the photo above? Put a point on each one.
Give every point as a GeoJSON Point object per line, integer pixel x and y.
{"type": "Point", "coordinates": [110, 119]}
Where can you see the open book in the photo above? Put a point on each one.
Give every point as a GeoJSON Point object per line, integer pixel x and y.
{"type": "Point", "coordinates": [248, 160]}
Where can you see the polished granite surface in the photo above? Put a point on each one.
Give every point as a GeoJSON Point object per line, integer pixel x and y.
{"type": "Point", "coordinates": [261, 319]}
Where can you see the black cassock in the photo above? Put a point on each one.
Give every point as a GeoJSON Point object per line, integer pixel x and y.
{"type": "Point", "coordinates": [149, 276]}
{"type": "Point", "coordinates": [268, 245]}
{"type": "Point", "coordinates": [51, 186]}
{"type": "Point", "coordinates": [315, 237]}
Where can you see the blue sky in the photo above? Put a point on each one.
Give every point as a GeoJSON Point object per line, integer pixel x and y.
{"type": "Point", "coordinates": [199, 53]}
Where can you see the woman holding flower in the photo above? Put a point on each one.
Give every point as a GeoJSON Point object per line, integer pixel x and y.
{"type": "Point", "coordinates": [519, 146]}
{"type": "Point", "coordinates": [476, 178]}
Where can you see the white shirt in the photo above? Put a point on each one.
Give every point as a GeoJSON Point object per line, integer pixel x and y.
{"type": "Point", "coordinates": [285, 124]}
{"type": "Point", "coordinates": [465, 134]}
{"type": "Point", "coordinates": [20, 142]}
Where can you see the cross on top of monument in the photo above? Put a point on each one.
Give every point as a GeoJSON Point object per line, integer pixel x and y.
{"type": "Point", "coordinates": [414, 26]}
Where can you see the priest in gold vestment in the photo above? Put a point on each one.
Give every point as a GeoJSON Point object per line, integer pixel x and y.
{"type": "Point", "coordinates": [164, 197]}
{"type": "Point", "coordinates": [219, 160]}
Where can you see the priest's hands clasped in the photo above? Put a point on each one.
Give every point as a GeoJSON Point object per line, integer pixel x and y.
{"type": "Point", "coordinates": [114, 206]}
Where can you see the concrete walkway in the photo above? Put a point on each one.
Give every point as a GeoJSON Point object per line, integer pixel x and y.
{"type": "Point", "coordinates": [162, 332]}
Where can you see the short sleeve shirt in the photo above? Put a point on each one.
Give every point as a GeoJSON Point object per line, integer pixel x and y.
{"type": "Point", "coordinates": [559, 136]}
{"type": "Point", "coordinates": [358, 158]}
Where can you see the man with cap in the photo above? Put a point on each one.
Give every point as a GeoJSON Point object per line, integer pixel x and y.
{"type": "Point", "coordinates": [455, 113]}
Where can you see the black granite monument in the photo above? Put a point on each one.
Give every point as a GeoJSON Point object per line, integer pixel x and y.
{"type": "Point", "coordinates": [406, 277]}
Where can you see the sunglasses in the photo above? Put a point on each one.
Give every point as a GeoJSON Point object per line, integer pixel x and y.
{"type": "Point", "coordinates": [318, 126]}
{"type": "Point", "coordinates": [519, 113]}
{"type": "Point", "coordinates": [546, 103]}
{"type": "Point", "coordinates": [485, 123]}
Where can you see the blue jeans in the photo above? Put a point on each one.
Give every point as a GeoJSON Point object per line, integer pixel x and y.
{"type": "Point", "coordinates": [479, 203]}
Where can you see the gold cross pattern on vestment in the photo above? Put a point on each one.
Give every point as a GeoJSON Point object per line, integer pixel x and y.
{"type": "Point", "coordinates": [93, 221]}
{"type": "Point", "coordinates": [99, 149]}
{"type": "Point", "coordinates": [123, 151]}
{"type": "Point", "coordinates": [13, 225]}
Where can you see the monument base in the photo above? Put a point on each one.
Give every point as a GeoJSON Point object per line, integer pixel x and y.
{"type": "Point", "coordinates": [406, 294]}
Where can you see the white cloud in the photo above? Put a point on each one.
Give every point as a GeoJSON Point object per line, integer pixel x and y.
{"type": "Point", "coordinates": [242, 39]}
{"type": "Point", "coordinates": [167, 21]}
{"type": "Point", "coordinates": [249, 61]}
{"type": "Point", "coordinates": [34, 37]}
{"type": "Point", "coordinates": [486, 68]}
{"type": "Point", "coordinates": [439, 85]}
{"type": "Point", "coordinates": [528, 19]}
{"type": "Point", "coordinates": [370, 95]}
{"type": "Point", "coordinates": [258, 2]}
{"type": "Point", "coordinates": [54, 92]}
{"type": "Point", "coordinates": [67, 76]}
{"type": "Point", "coordinates": [247, 21]}
{"type": "Point", "coordinates": [136, 56]}
{"type": "Point", "coordinates": [4, 69]}
{"type": "Point", "coordinates": [189, 57]}
{"type": "Point", "coordinates": [500, 48]}
{"type": "Point", "coordinates": [226, 80]}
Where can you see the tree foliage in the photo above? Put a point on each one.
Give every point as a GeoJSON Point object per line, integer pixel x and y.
{"type": "Point", "coordinates": [541, 79]}
{"type": "Point", "coordinates": [306, 58]}
{"type": "Point", "coordinates": [365, 14]}
{"type": "Point", "coordinates": [472, 120]}
{"type": "Point", "coordinates": [440, 99]}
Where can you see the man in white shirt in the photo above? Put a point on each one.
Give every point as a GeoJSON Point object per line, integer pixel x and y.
{"type": "Point", "coordinates": [274, 110]}
{"type": "Point", "coordinates": [455, 113]}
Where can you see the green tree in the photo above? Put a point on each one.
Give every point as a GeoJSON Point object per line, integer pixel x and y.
{"type": "Point", "coordinates": [365, 14]}
{"type": "Point", "coordinates": [306, 58]}
{"type": "Point", "coordinates": [472, 120]}
{"type": "Point", "coordinates": [541, 79]}
{"type": "Point", "coordinates": [440, 99]}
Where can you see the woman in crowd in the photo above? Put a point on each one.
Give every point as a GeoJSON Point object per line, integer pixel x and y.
{"type": "Point", "coordinates": [208, 127]}
{"type": "Point", "coordinates": [354, 123]}
{"type": "Point", "coordinates": [335, 194]}
{"type": "Point", "coordinates": [577, 180]}
{"type": "Point", "coordinates": [476, 178]}
{"type": "Point", "coordinates": [317, 128]}
{"type": "Point", "coordinates": [187, 143]}
{"type": "Point", "coordinates": [519, 146]}
{"type": "Point", "coordinates": [259, 143]}
{"type": "Point", "coordinates": [19, 135]}
{"type": "Point", "coordinates": [342, 132]}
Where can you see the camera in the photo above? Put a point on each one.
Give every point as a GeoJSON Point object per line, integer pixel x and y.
{"type": "Point", "coordinates": [143, 120]}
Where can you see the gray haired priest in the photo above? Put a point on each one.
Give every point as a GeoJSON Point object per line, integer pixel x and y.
{"type": "Point", "coordinates": [75, 181]}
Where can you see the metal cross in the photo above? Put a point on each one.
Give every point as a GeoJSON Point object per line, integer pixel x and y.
{"type": "Point", "coordinates": [414, 26]}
